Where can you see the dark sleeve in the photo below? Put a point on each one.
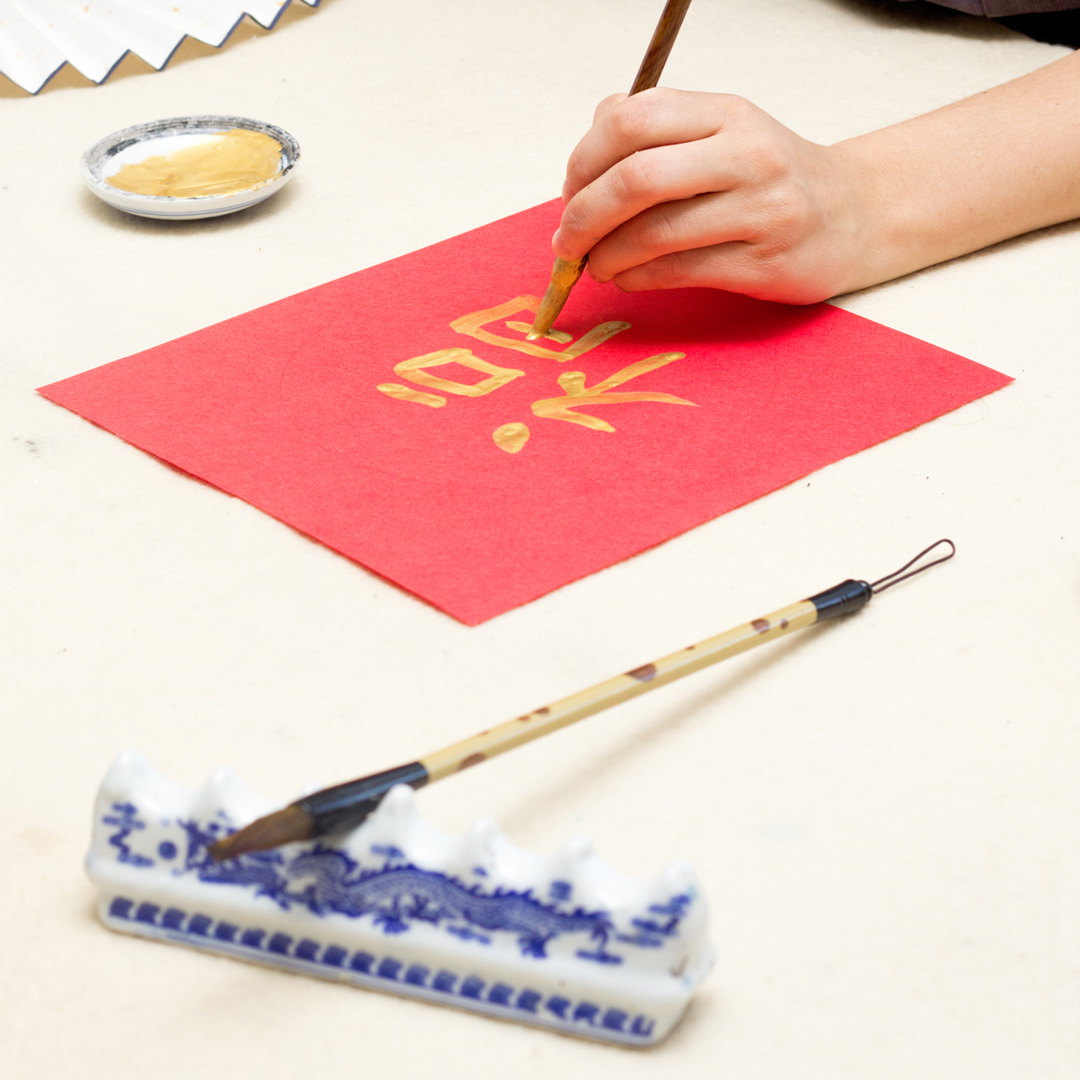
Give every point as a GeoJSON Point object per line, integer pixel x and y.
{"type": "Point", "coordinates": [996, 9]}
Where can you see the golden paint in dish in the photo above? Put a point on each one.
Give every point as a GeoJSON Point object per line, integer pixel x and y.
{"type": "Point", "coordinates": [231, 161]}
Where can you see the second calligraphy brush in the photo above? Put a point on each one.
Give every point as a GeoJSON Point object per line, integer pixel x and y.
{"type": "Point", "coordinates": [565, 273]}
{"type": "Point", "coordinates": [347, 805]}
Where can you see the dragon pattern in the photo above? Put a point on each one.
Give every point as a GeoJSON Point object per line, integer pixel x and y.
{"type": "Point", "coordinates": [398, 895]}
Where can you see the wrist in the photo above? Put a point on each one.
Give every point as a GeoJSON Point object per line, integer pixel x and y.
{"type": "Point", "coordinates": [877, 222]}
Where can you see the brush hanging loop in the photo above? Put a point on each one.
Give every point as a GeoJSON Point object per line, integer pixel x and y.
{"type": "Point", "coordinates": [889, 580]}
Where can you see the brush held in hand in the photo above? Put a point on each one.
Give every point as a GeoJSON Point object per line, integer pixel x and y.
{"type": "Point", "coordinates": [564, 274]}
{"type": "Point", "coordinates": [345, 806]}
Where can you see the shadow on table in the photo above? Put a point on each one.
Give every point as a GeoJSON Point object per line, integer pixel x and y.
{"type": "Point", "coordinates": [699, 709]}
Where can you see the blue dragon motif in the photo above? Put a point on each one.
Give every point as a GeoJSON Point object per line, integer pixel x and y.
{"type": "Point", "coordinates": [260, 870]}
{"type": "Point", "coordinates": [398, 895]}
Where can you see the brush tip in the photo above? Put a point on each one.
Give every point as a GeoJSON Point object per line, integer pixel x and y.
{"type": "Point", "coordinates": [284, 826]}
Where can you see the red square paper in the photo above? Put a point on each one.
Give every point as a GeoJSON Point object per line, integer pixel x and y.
{"type": "Point", "coordinates": [399, 415]}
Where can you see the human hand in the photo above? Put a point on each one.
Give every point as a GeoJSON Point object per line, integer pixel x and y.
{"type": "Point", "coordinates": [672, 188]}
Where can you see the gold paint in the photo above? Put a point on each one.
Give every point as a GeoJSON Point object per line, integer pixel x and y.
{"type": "Point", "coordinates": [511, 437]}
{"type": "Point", "coordinates": [564, 276]}
{"type": "Point", "coordinates": [235, 160]}
{"type": "Point", "coordinates": [577, 393]}
{"type": "Point", "coordinates": [404, 393]}
{"type": "Point", "coordinates": [415, 371]}
{"type": "Point", "coordinates": [561, 336]}
{"type": "Point", "coordinates": [473, 323]}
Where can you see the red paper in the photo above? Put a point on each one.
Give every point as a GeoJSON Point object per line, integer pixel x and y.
{"type": "Point", "coordinates": [710, 400]}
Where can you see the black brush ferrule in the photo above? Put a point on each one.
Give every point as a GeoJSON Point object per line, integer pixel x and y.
{"type": "Point", "coordinates": [347, 805]}
{"type": "Point", "coordinates": [843, 599]}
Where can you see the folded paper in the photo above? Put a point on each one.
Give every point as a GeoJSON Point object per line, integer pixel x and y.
{"type": "Point", "coordinates": [38, 37]}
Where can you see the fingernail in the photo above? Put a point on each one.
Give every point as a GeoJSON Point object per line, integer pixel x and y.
{"type": "Point", "coordinates": [567, 191]}
{"type": "Point", "coordinates": [557, 244]}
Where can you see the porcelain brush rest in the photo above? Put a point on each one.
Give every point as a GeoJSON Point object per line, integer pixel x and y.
{"type": "Point", "coordinates": [564, 942]}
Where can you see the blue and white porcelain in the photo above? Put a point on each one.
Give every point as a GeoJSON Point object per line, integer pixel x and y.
{"type": "Point", "coordinates": [132, 145]}
{"type": "Point", "coordinates": [564, 942]}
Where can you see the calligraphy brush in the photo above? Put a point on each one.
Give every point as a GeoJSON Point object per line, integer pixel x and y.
{"type": "Point", "coordinates": [565, 273]}
{"type": "Point", "coordinates": [346, 805]}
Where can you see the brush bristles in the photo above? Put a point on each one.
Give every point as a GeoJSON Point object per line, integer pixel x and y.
{"type": "Point", "coordinates": [564, 276]}
{"type": "Point", "coordinates": [281, 827]}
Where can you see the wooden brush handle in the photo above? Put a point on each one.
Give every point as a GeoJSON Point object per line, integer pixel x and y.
{"type": "Point", "coordinates": [576, 707]}
{"type": "Point", "coordinates": [667, 29]}
{"type": "Point", "coordinates": [565, 274]}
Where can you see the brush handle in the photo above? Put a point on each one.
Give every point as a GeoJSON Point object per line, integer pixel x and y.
{"type": "Point", "coordinates": [604, 695]}
{"type": "Point", "coordinates": [667, 29]}
{"type": "Point", "coordinates": [564, 275]}
{"type": "Point", "coordinates": [346, 805]}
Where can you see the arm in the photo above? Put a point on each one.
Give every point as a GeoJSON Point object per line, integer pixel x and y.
{"type": "Point", "coordinates": [671, 189]}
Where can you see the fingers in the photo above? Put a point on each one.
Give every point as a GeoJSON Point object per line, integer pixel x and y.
{"type": "Point", "coordinates": [624, 125]}
{"type": "Point", "coordinates": [671, 189]}
{"type": "Point", "coordinates": [648, 179]}
{"type": "Point", "coordinates": [698, 222]}
{"type": "Point", "coordinates": [737, 266]}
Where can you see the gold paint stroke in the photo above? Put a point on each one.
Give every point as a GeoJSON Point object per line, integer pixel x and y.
{"type": "Point", "coordinates": [511, 437]}
{"type": "Point", "coordinates": [235, 160]}
{"type": "Point", "coordinates": [561, 336]}
{"type": "Point", "coordinates": [473, 324]}
{"type": "Point", "coordinates": [576, 393]}
{"type": "Point", "coordinates": [415, 370]}
{"type": "Point", "coordinates": [405, 393]}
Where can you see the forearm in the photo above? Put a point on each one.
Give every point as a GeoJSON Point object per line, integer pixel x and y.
{"type": "Point", "coordinates": [984, 169]}
{"type": "Point", "coordinates": [670, 189]}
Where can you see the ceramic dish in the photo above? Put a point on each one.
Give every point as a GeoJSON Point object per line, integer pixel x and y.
{"type": "Point", "coordinates": [165, 137]}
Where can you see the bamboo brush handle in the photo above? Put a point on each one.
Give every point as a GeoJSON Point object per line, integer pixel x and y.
{"type": "Point", "coordinates": [346, 805]}
{"type": "Point", "coordinates": [604, 695]}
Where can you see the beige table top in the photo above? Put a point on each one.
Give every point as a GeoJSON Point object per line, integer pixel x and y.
{"type": "Point", "coordinates": [884, 813]}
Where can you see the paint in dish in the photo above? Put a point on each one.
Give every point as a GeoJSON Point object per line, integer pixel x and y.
{"type": "Point", "coordinates": [190, 167]}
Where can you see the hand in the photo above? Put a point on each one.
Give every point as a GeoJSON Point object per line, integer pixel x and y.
{"type": "Point", "coordinates": [671, 189]}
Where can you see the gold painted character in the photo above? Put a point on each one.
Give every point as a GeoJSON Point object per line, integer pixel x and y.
{"type": "Point", "coordinates": [416, 371]}
{"type": "Point", "coordinates": [473, 324]}
{"type": "Point", "coordinates": [576, 393]}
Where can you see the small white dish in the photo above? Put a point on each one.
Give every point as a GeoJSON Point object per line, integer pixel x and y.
{"type": "Point", "coordinates": [135, 144]}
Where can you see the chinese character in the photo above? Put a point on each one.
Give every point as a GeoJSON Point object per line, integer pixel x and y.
{"type": "Point", "coordinates": [576, 393]}
{"type": "Point", "coordinates": [416, 371]}
{"type": "Point", "coordinates": [473, 326]}
{"type": "Point", "coordinates": [512, 437]}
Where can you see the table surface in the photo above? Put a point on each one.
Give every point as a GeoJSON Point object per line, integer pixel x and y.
{"type": "Point", "coordinates": [884, 812]}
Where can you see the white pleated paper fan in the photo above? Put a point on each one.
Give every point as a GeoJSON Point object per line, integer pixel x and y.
{"type": "Point", "coordinates": [37, 37]}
